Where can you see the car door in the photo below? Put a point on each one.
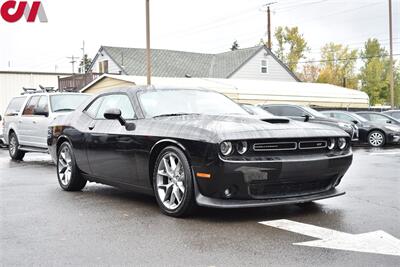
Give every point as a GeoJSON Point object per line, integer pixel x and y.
{"type": "Point", "coordinates": [111, 149]}
{"type": "Point", "coordinates": [26, 126]}
{"type": "Point", "coordinates": [41, 121]}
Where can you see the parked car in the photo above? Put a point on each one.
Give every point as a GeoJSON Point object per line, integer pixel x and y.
{"type": "Point", "coordinates": [378, 117]}
{"type": "Point", "coordinates": [393, 113]}
{"type": "Point", "coordinates": [192, 146]}
{"type": "Point", "coordinates": [255, 110]}
{"type": "Point", "coordinates": [27, 119]}
{"type": "Point", "coordinates": [307, 114]}
{"type": "Point", "coordinates": [2, 142]}
{"type": "Point", "coordinates": [374, 133]}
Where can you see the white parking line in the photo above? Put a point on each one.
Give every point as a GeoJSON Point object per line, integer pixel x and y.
{"type": "Point", "coordinates": [384, 153]}
{"type": "Point", "coordinates": [378, 242]}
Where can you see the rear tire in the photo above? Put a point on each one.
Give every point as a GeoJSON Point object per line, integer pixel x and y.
{"type": "Point", "coordinates": [68, 173]}
{"type": "Point", "coordinates": [376, 138]}
{"type": "Point", "coordinates": [13, 147]}
{"type": "Point", "coordinates": [173, 183]}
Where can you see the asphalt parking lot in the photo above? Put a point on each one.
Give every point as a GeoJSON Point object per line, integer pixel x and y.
{"type": "Point", "coordinates": [42, 225]}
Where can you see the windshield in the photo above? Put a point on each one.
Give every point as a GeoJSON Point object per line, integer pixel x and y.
{"type": "Point", "coordinates": [64, 102]}
{"type": "Point", "coordinates": [165, 102]}
{"type": "Point", "coordinates": [358, 117]}
{"type": "Point", "coordinates": [314, 112]}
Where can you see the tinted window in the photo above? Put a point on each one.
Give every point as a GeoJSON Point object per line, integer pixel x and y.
{"type": "Point", "coordinates": [15, 106]}
{"type": "Point", "coordinates": [395, 115]}
{"type": "Point", "coordinates": [364, 115]}
{"type": "Point", "coordinates": [66, 102]}
{"type": "Point", "coordinates": [276, 110]}
{"type": "Point", "coordinates": [116, 101]}
{"type": "Point", "coordinates": [30, 106]}
{"type": "Point", "coordinates": [43, 104]}
{"type": "Point", "coordinates": [378, 117]}
{"type": "Point", "coordinates": [292, 111]}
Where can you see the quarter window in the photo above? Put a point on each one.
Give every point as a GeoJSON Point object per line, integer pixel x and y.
{"type": "Point", "coordinates": [15, 106]}
{"type": "Point", "coordinates": [30, 107]}
{"type": "Point", "coordinates": [94, 107]}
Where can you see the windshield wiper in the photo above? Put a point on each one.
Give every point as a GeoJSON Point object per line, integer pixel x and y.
{"type": "Point", "coordinates": [174, 114]}
{"type": "Point", "coordinates": [63, 109]}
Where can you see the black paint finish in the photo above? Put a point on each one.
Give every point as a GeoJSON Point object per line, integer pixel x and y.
{"type": "Point", "coordinates": [106, 152]}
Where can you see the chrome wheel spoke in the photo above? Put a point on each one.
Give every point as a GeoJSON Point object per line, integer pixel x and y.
{"type": "Point", "coordinates": [65, 166]}
{"type": "Point", "coordinates": [170, 181]}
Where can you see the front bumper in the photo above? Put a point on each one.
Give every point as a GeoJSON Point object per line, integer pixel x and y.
{"type": "Point", "coordinates": [291, 179]}
{"type": "Point", "coordinates": [232, 204]}
{"type": "Point", "coordinates": [393, 138]}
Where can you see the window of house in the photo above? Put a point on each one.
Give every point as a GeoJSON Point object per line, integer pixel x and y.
{"type": "Point", "coordinates": [103, 66]}
{"type": "Point", "coordinates": [264, 66]}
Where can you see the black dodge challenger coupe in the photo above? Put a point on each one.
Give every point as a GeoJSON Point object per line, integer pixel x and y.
{"type": "Point", "coordinates": [193, 147]}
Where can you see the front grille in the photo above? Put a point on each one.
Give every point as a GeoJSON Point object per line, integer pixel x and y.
{"type": "Point", "coordinates": [318, 144]}
{"type": "Point", "coordinates": [274, 146]}
{"type": "Point", "coordinates": [262, 189]}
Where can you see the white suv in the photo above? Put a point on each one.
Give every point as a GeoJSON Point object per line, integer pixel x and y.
{"type": "Point", "coordinates": [27, 118]}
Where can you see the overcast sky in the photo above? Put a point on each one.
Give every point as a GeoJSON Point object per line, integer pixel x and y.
{"type": "Point", "coordinates": [200, 26]}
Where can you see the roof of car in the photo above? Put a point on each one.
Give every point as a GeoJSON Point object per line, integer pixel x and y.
{"type": "Point", "coordinates": [133, 89]}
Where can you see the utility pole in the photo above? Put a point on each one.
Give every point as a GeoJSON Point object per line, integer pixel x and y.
{"type": "Point", "coordinates": [73, 61]}
{"type": "Point", "coordinates": [269, 44]}
{"type": "Point", "coordinates": [391, 56]}
{"type": "Point", "coordinates": [148, 51]}
{"type": "Point", "coordinates": [83, 58]}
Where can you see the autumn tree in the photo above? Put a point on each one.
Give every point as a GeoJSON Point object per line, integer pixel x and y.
{"type": "Point", "coordinates": [309, 73]}
{"type": "Point", "coordinates": [374, 72]}
{"type": "Point", "coordinates": [338, 65]}
{"type": "Point", "coordinates": [291, 46]}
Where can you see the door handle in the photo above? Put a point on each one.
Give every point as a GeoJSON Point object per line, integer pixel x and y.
{"type": "Point", "coordinates": [91, 126]}
{"type": "Point", "coordinates": [34, 122]}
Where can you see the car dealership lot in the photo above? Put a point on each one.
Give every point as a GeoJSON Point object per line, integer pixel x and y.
{"type": "Point", "coordinates": [42, 225]}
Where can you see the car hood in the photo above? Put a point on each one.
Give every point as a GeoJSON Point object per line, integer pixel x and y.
{"type": "Point", "coordinates": [219, 128]}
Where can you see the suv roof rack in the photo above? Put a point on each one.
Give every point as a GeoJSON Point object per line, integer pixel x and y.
{"type": "Point", "coordinates": [35, 91]}
{"type": "Point", "coordinates": [28, 90]}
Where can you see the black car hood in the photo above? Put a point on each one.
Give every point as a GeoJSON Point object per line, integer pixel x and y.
{"type": "Point", "coordinates": [218, 128]}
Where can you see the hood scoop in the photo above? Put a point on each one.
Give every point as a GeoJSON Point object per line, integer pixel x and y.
{"type": "Point", "coordinates": [275, 120]}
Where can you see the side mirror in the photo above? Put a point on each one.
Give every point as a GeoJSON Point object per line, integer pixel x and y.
{"type": "Point", "coordinates": [41, 112]}
{"type": "Point", "coordinates": [388, 121]}
{"type": "Point", "coordinates": [355, 122]}
{"type": "Point", "coordinates": [114, 114]}
{"type": "Point", "coordinates": [306, 117]}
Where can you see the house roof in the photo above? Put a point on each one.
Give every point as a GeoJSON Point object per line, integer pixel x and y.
{"type": "Point", "coordinates": [171, 63]}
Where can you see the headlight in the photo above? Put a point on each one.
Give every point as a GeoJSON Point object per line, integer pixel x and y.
{"type": "Point", "coordinates": [393, 128]}
{"type": "Point", "coordinates": [342, 143]}
{"type": "Point", "coordinates": [332, 143]}
{"type": "Point", "coordinates": [226, 148]}
{"type": "Point", "coordinates": [241, 147]}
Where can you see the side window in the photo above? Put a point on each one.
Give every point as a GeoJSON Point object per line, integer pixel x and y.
{"type": "Point", "coordinates": [117, 101]}
{"type": "Point", "coordinates": [292, 111]}
{"type": "Point", "coordinates": [377, 117]}
{"type": "Point", "coordinates": [276, 110]}
{"type": "Point", "coordinates": [43, 104]}
{"type": "Point", "coordinates": [15, 106]}
{"type": "Point", "coordinates": [30, 106]}
{"type": "Point", "coordinates": [94, 107]}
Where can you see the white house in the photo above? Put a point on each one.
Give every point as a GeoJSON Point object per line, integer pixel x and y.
{"type": "Point", "coordinates": [256, 63]}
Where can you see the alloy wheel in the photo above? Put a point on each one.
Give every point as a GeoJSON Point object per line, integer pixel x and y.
{"type": "Point", "coordinates": [13, 145]}
{"type": "Point", "coordinates": [65, 166]}
{"type": "Point", "coordinates": [170, 181]}
{"type": "Point", "coordinates": [376, 139]}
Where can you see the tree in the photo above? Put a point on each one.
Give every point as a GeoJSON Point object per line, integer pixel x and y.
{"type": "Point", "coordinates": [338, 65]}
{"type": "Point", "coordinates": [309, 73]}
{"type": "Point", "coordinates": [84, 64]}
{"type": "Point", "coordinates": [235, 46]}
{"type": "Point", "coordinates": [291, 46]}
{"type": "Point", "coordinates": [374, 72]}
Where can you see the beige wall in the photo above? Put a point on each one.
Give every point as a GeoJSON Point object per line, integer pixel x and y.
{"type": "Point", "coordinates": [107, 83]}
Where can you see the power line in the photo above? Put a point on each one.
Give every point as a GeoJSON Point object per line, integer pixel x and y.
{"type": "Point", "coordinates": [344, 59]}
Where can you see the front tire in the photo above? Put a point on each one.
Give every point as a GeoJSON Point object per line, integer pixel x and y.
{"type": "Point", "coordinates": [376, 138]}
{"type": "Point", "coordinates": [13, 148]}
{"type": "Point", "coordinates": [68, 174]}
{"type": "Point", "coordinates": [173, 183]}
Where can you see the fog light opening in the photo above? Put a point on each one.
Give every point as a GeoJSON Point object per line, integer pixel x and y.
{"type": "Point", "coordinates": [230, 191]}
